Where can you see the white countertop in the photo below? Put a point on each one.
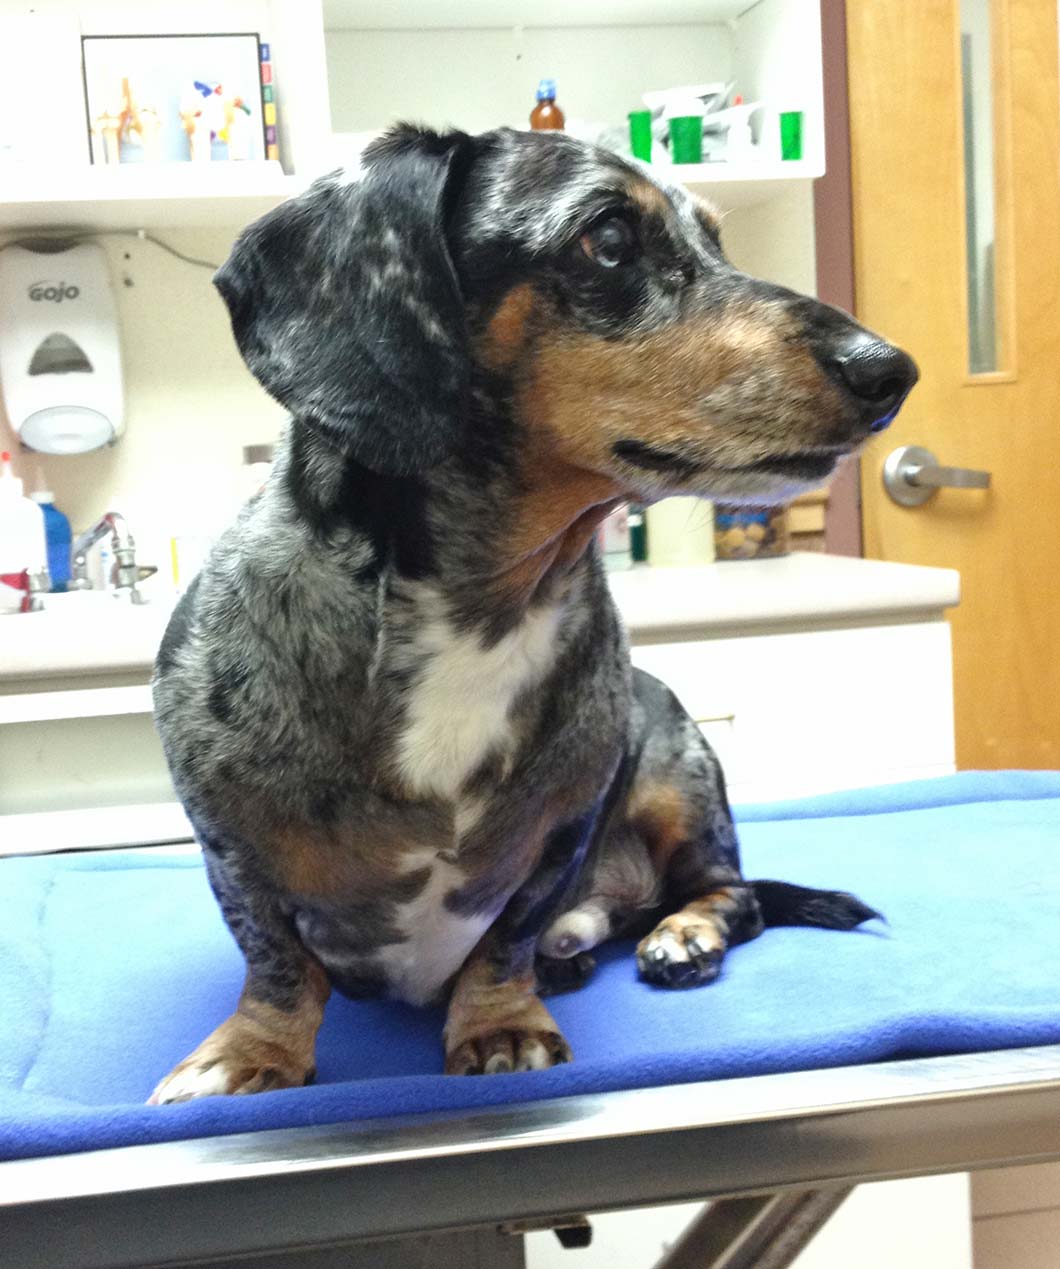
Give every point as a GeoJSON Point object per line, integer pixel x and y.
{"type": "Point", "coordinates": [94, 828]}
{"type": "Point", "coordinates": [800, 590]}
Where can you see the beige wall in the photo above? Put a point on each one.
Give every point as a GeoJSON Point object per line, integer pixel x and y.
{"type": "Point", "coordinates": [775, 239]}
{"type": "Point", "coordinates": [191, 405]}
{"type": "Point", "coordinates": [479, 79]}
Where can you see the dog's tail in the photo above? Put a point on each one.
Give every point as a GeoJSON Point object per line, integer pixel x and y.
{"type": "Point", "coordinates": [782, 903]}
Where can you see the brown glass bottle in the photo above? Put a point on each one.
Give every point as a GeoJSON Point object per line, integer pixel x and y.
{"type": "Point", "coordinates": [546, 116]}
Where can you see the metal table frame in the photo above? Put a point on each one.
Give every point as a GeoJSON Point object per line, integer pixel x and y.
{"type": "Point", "coordinates": [397, 1178]}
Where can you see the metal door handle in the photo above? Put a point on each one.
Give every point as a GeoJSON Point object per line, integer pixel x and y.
{"type": "Point", "coordinates": [912, 475]}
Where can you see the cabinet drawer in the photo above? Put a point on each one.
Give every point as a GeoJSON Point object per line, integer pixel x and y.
{"type": "Point", "coordinates": [805, 712]}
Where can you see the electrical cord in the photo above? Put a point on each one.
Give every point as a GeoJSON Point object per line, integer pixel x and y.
{"type": "Point", "coordinates": [144, 236]}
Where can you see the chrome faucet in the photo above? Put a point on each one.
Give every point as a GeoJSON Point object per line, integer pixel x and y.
{"type": "Point", "coordinates": [127, 575]}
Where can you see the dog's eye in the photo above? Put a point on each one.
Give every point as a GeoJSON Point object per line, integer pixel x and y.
{"type": "Point", "coordinates": [610, 243]}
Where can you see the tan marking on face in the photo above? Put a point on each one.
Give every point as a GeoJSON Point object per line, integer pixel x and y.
{"type": "Point", "coordinates": [649, 199]}
{"type": "Point", "coordinates": [660, 814]}
{"type": "Point", "coordinates": [734, 388]}
{"type": "Point", "coordinates": [506, 334]}
{"type": "Point", "coordinates": [551, 525]}
{"type": "Point", "coordinates": [553, 518]}
{"type": "Point", "coordinates": [708, 212]}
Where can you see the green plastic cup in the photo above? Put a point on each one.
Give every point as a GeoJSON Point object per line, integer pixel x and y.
{"type": "Point", "coordinates": [686, 139]}
{"type": "Point", "coordinates": [791, 134]}
{"type": "Point", "coordinates": [640, 134]}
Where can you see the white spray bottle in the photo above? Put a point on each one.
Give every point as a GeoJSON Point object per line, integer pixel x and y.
{"type": "Point", "coordinates": [23, 545]}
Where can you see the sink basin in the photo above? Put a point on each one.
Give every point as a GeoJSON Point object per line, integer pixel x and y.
{"type": "Point", "coordinates": [84, 632]}
{"type": "Point", "coordinates": [79, 603]}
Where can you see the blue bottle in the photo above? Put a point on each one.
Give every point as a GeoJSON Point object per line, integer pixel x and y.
{"type": "Point", "coordinates": [57, 532]}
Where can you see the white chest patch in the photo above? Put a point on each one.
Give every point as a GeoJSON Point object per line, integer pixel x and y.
{"type": "Point", "coordinates": [437, 940]}
{"type": "Point", "coordinates": [460, 704]}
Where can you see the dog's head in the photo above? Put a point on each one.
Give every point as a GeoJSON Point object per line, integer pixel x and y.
{"type": "Point", "coordinates": [597, 297]}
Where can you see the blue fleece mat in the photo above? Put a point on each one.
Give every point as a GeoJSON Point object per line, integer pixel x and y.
{"type": "Point", "coordinates": [113, 966]}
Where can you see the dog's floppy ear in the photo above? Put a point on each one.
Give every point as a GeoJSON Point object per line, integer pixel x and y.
{"type": "Point", "coordinates": [346, 306]}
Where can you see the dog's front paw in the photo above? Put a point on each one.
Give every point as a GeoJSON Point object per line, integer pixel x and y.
{"type": "Point", "coordinates": [206, 1077]}
{"type": "Point", "coordinates": [508, 1049]}
{"type": "Point", "coordinates": [496, 1027]}
{"type": "Point", "coordinates": [681, 954]}
{"type": "Point", "coordinates": [236, 1058]}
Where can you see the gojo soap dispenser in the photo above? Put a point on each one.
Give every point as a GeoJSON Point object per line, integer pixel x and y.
{"type": "Point", "coordinates": [60, 357]}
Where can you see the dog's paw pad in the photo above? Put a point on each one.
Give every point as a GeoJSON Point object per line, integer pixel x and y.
{"type": "Point", "coordinates": [686, 959]}
{"type": "Point", "coordinates": [509, 1050]}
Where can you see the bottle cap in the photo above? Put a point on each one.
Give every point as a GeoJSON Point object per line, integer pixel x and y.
{"type": "Point", "coordinates": [43, 495]}
{"type": "Point", "coordinates": [9, 482]}
{"type": "Point", "coordinates": [546, 90]}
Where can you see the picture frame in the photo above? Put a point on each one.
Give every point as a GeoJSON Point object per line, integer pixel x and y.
{"type": "Point", "coordinates": [178, 98]}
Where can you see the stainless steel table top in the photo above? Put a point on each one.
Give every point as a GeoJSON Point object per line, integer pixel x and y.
{"type": "Point", "coordinates": [375, 1178]}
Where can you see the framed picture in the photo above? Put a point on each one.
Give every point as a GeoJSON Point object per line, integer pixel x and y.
{"type": "Point", "coordinates": [176, 98]}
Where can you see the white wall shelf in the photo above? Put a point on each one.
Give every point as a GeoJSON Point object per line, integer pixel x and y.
{"type": "Point", "coordinates": [731, 187]}
{"type": "Point", "coordinates": [167, 196]}
{"type": "Point", "coordinates": [178, 197]}
{"type": "Point", "coordinates": [441, 15]}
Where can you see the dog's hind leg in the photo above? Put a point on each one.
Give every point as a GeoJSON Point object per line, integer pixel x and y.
{"type": "Point", "coordinates": [679, 806]}
{"type": "Point", "coordinates": [269, 1041]}
{"type": "Point", "coordinates": [617, 887]}
{"type": "Point", "coordinates": [672, 850]}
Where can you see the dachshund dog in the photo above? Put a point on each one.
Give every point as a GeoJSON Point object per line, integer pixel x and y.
{"type": "Point", "coordinates": [397, 702]}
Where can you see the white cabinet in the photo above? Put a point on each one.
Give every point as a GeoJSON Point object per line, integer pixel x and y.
{"type": "Point", "coordinates": [807, 674]}
{"type": "Point", "coordinates": [804, 712]}
{"type": "Point", "coordinates": [475, 65]}
{"type": "Point", "coordinates": [354, 66]}
{"type": "Point", "coordinates": [52, 191]}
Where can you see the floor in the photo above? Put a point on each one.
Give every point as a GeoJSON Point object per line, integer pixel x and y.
{"type": "Point", "coordinates": [921, 1224]}
{"type": "Point", "coordinates": [1017, 1218]}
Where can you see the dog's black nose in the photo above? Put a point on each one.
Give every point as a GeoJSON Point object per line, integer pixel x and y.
{"type": "Point", "coordinates": [879, 375]}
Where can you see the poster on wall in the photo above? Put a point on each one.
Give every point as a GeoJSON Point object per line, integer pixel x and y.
{"type": "Point", "coordinates": [174, 98]}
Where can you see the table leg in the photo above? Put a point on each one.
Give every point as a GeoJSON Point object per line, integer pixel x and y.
{"type": "Point", "coordinates": [764, 1232]}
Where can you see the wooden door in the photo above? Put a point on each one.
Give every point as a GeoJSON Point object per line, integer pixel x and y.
{"type": "Point", "coordinates": [924, 158]}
